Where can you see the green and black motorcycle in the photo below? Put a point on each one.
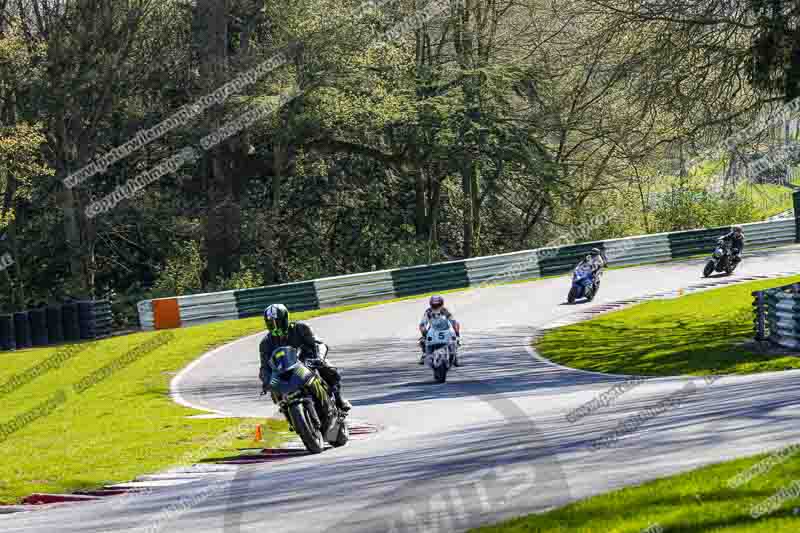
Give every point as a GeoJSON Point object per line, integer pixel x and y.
{"type": "Point", "coordinates": [306, 401]}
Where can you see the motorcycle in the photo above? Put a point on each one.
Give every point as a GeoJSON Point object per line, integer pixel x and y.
{"type": "Point", "coordinates": [441, 348]}
{"type": "Point", "coordinates": [721, 260]}
{"type": "Point", "coordinates": [584, 284]}
{"type": "Point", "coordinates": [314, 423]}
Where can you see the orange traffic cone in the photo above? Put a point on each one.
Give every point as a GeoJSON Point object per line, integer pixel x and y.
{"type": "Point", "coordinates": [258, 433]}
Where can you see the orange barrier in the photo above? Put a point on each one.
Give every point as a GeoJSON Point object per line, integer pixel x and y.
{"type": "Point", "coordinates": [166, 313]}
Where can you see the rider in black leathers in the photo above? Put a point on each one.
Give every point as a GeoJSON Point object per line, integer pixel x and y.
{"type": "Point", "coordinates": [736, 238]}
{"type": "Point", "coordinates": [299, 335]}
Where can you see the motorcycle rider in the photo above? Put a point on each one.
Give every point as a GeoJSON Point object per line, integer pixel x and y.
{"type": "Point", "coordinates": [597, 261]}
{"type": "Point", "coordinates": [299, 335]}
{"type": "Point", "coordinates": [436, 310]}
{"type": "Point", "coordinates": [736, 238]}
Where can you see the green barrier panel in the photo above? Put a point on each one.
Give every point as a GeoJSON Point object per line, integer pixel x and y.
{"type": "Point", "coordinates": [687, 243]}
{"type": "Point", "coordinates": [295, 296]}
{"type": "Point", "coordinates": [430, 278]}
{"type": "Point", "coordinates": [796, 201]}
{"type": "Point", "coordinates": [556, 261]}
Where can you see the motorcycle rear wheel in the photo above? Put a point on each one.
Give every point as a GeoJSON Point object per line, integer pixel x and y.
{"type": "Point", "coordinates": [312, 437]}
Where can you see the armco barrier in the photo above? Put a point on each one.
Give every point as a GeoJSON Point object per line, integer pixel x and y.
{"type": "Point", "coordinates": [46, 326]}
{"type": "Point", "coordinates": [505, 267]}
{"type": "Point", "coordinates": [778, 315]}
{"type": "Point", "coordinates": [164, 313]}
{"type": "Point", "coordinates": [430, 278]}
{"type": "Point", "coordinates": [355, 288]}
{"type": "Point", "coordinates": [556, 261]}
{"type": "Point", "coordinates": [299, 296]}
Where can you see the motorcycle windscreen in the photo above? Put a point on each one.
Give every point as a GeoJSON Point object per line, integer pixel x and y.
{"type": "Point", "coordinates": [284, 359]}
{"type": "Point", "coordinates": [440, 324]}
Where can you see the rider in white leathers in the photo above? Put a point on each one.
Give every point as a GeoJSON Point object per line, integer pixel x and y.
{"type": "Point", "coordinates": [436, 310]}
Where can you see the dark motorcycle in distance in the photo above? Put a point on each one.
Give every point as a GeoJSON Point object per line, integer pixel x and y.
{"type": "Point", "coordinates": [721, 260]}
{"type": "Point", "coordinates": [314, 423]}
{"type": "Point", "coordinates": [584, 283]}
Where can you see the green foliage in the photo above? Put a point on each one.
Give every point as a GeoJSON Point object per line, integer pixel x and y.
{"type": "Point", "coordinates": [367, 168]}
{"type": "Point", "coordinates": [182, 272]}
{"type": "Point", "coordinates": [243, 279]}
{"type": "Point", "coordinates": [682, 208]}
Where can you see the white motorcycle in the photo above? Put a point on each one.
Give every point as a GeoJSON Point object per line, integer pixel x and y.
{"type": "Point", "coordinates": [441, 348]}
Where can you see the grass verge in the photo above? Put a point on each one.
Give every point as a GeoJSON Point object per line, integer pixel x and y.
{"type": "Point", "coordinates": [697, 334]}
{"type": "Point", "coordinates": [119, 422]}
{"type": "Point", "coordinates": [700, 500]}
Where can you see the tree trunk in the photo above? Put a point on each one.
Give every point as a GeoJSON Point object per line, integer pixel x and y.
{"type": "Point", "coordinates": [420, 208]}
{"type": "Point", "coordinates": [223, 217]}
{"type": "Point", "coordinates": [434, 199]}
{"type": "Point", "coordinates": [466, 53]}
{"type": "Point", "coordinates": [280, 160]}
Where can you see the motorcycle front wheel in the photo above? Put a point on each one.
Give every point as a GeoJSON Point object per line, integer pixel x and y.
{"type": "Point", "coordinates": [440, 373]}
{"type": "Point", "coordinates": [572, 295]}
{"type": "Point", "coordinates": [708, 269]}
{"type": "Point", "coordinates": [303, 426]}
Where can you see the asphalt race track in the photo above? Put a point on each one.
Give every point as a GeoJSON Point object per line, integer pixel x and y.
{"type": "Point", "coordinates": [491, 443]}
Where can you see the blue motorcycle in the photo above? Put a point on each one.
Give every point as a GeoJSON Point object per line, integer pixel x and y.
{"type": "Point", "coordinates": [584, 284]}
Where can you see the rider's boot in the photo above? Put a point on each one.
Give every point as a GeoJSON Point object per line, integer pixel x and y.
{"type": "Point", "coordinates": [341, 403]}
{"type": "Point", "coordinates": [422, 348]}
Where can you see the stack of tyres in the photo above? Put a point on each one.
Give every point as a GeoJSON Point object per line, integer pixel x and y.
{"type": "Point", "coordinates": [72, 327]}
{"type": "Point", "coordinates": [22, 330]}
{"type": "Point", "coordinates": [103, 318]}
{"type": "Point", "coordinates": [86, 319]}
{"type": "Point", "coordinates": [8, 340]}
{"type": "Point", "coordinates": [38, 322]}
{"type": "Point", "coordinates": [55, 325]}
{"type": "Point", "coordinates": [43, 326]}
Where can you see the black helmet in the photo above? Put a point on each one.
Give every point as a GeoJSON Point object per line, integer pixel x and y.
{"type": "Point", "coordinates": [276, 317]}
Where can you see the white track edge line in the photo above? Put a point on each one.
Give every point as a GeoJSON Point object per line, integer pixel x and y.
{"type": "Point", "coordinates": [175, 383]}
